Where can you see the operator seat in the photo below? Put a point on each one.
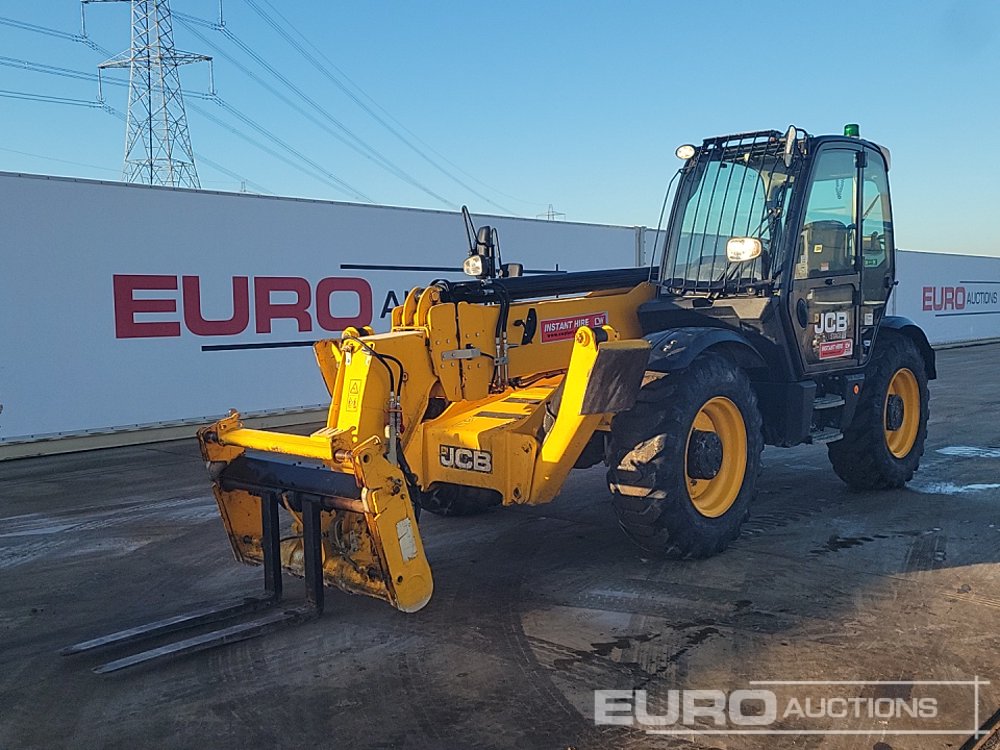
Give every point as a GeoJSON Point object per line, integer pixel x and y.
{"type": "Point", "coordinates": [826, 248]}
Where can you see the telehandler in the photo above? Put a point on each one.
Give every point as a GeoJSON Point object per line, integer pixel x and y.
{"type": "Point", "coordinates": [764, 323]}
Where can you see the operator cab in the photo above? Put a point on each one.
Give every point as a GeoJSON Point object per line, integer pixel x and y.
{"type": "Point", "coordinates": [781, 237]}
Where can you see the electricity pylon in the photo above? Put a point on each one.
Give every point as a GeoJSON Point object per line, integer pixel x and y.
{"type": "Point", "coordinates": [157, 142]}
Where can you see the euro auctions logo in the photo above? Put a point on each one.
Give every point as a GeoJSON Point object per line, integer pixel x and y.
{"type": "Point", "coordinates": [800, 707]}
{"type": "Point", "coordinates": [690, 708]}
{"type": "Point", "coordinates": [955, 299]}
{"type": "Point", "coordinates": [149, 306]}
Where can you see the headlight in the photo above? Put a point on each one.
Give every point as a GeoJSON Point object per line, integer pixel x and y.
{"type": "Point", "coordinates": [685, 152]}
{"type": "Point", "coordinates": [740, 249]}
{"type": "Point", "coordinates": [473, 265]}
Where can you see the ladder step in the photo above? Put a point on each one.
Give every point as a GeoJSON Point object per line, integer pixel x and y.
{"type": "Point", "coordinates": [825, 435]}
{"type": "Point", "coordinates": [829, 401]}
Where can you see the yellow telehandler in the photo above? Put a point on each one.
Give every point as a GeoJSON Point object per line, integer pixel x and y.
{"type": "Point", "coordinates": [765, 322]}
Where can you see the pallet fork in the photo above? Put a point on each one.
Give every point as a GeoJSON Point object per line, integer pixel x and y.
{"type": "Point", "coordinates": [271, 600]}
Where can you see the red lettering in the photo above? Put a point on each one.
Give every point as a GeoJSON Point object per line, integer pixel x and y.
{"type": "Point", "coordinates": [959, 297]}
{"type": "Point", "coordinates": [326, 289]}
{"type": "Point", "coordinates": [948, 293]}
{"type": "Point", "coordinates": [928, 298]}
{"type": "Point", "coordinates": [192, 309]}
{"type": "Point", "coordinates": [266, 311]}
{"type": "Point", "coordinates": [126, 306]}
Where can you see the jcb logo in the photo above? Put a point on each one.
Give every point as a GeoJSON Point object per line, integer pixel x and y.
{"type": "Point", "coordinates": [466, 459]}
{"type": "Point", "coordinates": [832, 322]}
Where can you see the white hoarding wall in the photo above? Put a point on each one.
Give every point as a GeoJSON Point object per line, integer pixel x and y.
{"type": "Point", "coordinates": [954, 298]}
{"type": "Point", "coordinates": [127, 306]}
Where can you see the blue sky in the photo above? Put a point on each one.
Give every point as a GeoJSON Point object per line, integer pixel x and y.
{"type": "Point", "coordinates": [575, 104]}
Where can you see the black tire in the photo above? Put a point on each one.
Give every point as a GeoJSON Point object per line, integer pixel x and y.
{"type": "Point", "coordinates": [456, 500]}
{"type": "Point", "coordinates": [862, 458]}
{"type": "Point", "coordinates": [648, 455]}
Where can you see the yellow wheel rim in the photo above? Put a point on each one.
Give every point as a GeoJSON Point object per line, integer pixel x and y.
{"type": "Point", "coordinates": [904, 385]}
{"type": "Point", "coordinates": [713, 497]}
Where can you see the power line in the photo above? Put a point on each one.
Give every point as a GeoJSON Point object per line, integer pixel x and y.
{"type": "Point", "coordinates": [98, 104]}
{"type": "Point", "coordinates": [107, 108]}
{"type": "Point", "coordinates": [28, 96]}
{"type": "Point", "coordinates": [340, 74]}
{"type": "Point", "coordinates": [52, 158]}
{"type": "Point", "coordinates": [229, 173]}
{"type": "Point", "coordinates": [215, 165]}
{"type": "Point", "coordinates": [315, 170]}
{"type": "Point", "coordinates": [82, 39]}
{"type": "Point", "coordinates": [349, 138]}
{"type": "Point", "coordinates": [323, 174]}
{"type": "Point", "coordinates": [256, 126]}
{"type": "Point", "coordinates": [358, 101]}
{"type": "Point", "coordinates": [14, 62]}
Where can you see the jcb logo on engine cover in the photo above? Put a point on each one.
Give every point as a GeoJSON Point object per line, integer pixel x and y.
{"type": "Point", "coordinates": [467, 459]}
{"type": "Point", "coordinates": [832, 322]}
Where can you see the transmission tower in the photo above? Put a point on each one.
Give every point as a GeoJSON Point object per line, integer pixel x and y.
{"type": "Point", "coordinates": [157, 142]}
{"type": "Point", "coordinates": [551, 214]}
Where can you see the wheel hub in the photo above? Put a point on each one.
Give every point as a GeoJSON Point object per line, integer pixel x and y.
{"type": "Point", "coordinates": [704, 458]}
{"type": "Point", "coordinates": [902, 413]}
{"type": "Point", "coordinates": [894, 412]}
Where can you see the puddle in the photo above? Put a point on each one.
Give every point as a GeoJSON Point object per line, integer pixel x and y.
{"type": "Point", "coordinates": [970, 451]}
{"type": "Point", "coordinates": [950, 488]}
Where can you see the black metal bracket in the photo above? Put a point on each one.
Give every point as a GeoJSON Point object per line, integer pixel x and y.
{"type": "Point", "coordinates": [226, 612]}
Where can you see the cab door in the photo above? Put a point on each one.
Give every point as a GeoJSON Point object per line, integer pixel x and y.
{"type": "Point", "coordinates": [877, 246]}
{"type": "Point", "coordinates": [826, 279]}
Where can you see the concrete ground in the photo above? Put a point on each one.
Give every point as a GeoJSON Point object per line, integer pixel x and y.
{"type": "Point", "coordinates": [534, 609]}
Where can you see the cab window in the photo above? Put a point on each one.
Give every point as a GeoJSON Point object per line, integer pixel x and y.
{"type": "Point", "coordinates": [826, 241]}
{"type": "Point", "coordinates": [876, 229]}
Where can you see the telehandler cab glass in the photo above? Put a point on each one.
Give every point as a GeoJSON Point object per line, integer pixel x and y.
{"type": "Point", "coordinates": [826, 277]}
{"type": "Point", "coordinates": [826, 243]}
{"type": "Point", "coordinates": [735, 187]}
{"type": "Point", "coordinates": [876, 232]}
{"type": "Point", "coordinates": [839, 294]}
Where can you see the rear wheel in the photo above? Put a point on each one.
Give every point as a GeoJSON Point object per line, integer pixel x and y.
{"type": "Point", "coordinates": [683, 463]}
{"type": "Point", "coordinates": [881, 448]}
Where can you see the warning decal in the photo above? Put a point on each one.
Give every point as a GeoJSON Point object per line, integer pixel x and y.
{"type": "Point", "coordinates": [834, 349]}
{"type": "Point", "coordinates": [563, 329]}
{"type": "Point", "coordinates": [353, 394]}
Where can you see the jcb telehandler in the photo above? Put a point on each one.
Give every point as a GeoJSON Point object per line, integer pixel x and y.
{"type": "Point", "coordinates": [764, 323]}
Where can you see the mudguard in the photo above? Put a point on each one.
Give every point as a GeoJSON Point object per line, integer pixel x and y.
{"type": "Point", "coordinates": [676, 348]}
{"type": "Point", "coordinates": [908, 328]}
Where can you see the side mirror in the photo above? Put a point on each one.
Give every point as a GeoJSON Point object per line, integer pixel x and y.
{"type": "Point", "coordinates": [790, 137]}
{"type": "Point", "coordinates": [511, 270]}
{"type": "Point", "coordinates": [742, 249]}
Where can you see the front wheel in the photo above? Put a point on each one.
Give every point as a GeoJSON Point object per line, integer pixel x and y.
{"type": "Point", "coordinates": [683, 462]}
{"type": "Point", "coordinates": [881, 448]}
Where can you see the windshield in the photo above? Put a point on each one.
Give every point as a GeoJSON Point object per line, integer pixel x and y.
{"type": "Point", "coordinates": [735, 187]}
